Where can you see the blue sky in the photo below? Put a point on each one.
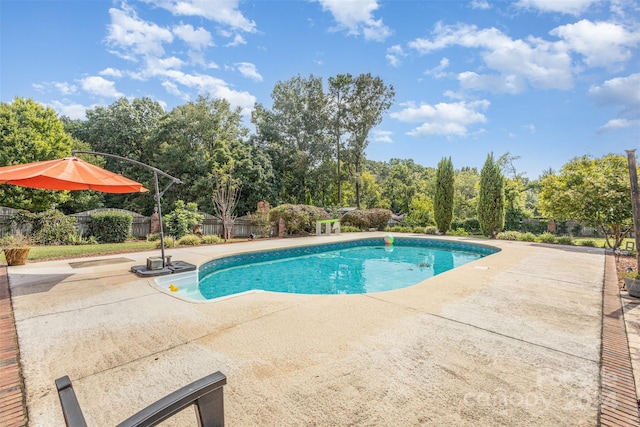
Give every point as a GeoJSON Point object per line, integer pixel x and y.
{"type": "Point", "coordinates": [543, 80]}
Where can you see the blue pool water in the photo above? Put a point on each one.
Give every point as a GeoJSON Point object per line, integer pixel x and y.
{"type": "Point", "coordinates": [354, 267]}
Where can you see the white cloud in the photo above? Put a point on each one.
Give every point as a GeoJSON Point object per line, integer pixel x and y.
{"type": "Point", "coordinates": [505, 83]}
{"type": "Point", "coordinates": [155, 65]}
{"type": "Point", "coordinates": [218, 88]}
{"type": "Point", "coordinates": [617, 124]}
{"type": "Point", "coordinates": [73, 111]}
{"type": "Point", "coordinates": [603, 44]}
{"type": "Point", "coordinates": [237, 41]}
{"type": "Point", "coordinates": [196, 38]}
{"type": "Point", "coordinates": [111, 72]}
{"type": "Point", "coordinates": [439, 71]}
{"type": "Point", "coordinates": [381, 136]}
{"type": "Point", "coordinates": [622, 93]}
{"type": "Point", "coordinates": [480, 4]}
{"type": "Point", "coordinates": [64, 87]}
{"type": "Point", "coordinates": [531, 128]}
{"type": "Point", "coordinates": [570, 7]}
{"type": "Point", "coordinates": [394, 53]}
{"type": "Point", "coordinates": [247, 69]}
{"type": "Point", "coordinates": [221, 11]}
{"type": "Point", "coordinates": [173, 89]}
{"type": "Point", "coordinates": [539, 63]}
{"type": "Point", "coordinates": [450, 119]}
{"type": "Point", "coordinates": [357, 18]}
{"type": "Point", "coordinates": [133, 36]}
{"type": "Point", "coordinates": [100, 86]}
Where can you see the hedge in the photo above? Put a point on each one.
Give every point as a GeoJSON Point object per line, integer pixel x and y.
{"type": "Point", "coordinates": [111, 227]}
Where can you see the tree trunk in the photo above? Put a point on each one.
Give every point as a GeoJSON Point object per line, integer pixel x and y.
{"type": "Point", "coordinates": [635, 200]}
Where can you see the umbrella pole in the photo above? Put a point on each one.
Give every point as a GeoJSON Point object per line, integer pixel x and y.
{"type": "Point", "coordinates": [155, 179]}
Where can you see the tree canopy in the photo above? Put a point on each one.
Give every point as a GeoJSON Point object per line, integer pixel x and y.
{"type": "Point", "coordinates": [595, 192]}
{"type": "Point", "coordinates": [29, 133]}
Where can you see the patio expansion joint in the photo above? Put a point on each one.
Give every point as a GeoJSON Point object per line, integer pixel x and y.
{"type": "Point", "coordinates": [510, 337]}
{"type": "Point", "coordinates": [536, 276]}
{"type": "Point", "coordinates": [20, 321]}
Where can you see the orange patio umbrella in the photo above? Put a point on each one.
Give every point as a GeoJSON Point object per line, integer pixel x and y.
{"type": "Point", "coordinates": [69, 173]}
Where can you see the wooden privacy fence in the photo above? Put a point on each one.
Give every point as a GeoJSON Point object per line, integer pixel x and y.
{"type": "Point", "coordinates": [140, 225]}
{"type": "Point", "coordinates": [6, 228]}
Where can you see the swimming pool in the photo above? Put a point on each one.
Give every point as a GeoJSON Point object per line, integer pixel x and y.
{"type": "Point", "coordinates": [353, 267]}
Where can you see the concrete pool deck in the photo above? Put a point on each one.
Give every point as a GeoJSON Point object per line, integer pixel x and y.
{"type": "Point", "coordinates": [510, 339]}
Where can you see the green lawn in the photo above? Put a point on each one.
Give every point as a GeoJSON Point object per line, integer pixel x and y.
{"type": "Point", "coordinates": [39, 253]}
{"type": "Point", "coordinates": [600, 242]}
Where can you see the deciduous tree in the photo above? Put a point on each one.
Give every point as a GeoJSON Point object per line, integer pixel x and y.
{"type": "Point", "coordinates": [29, 133]}
{"type": "Point", "coordinates": [367, 103]}
{"type": "Point", "coordinates": [595, 192]}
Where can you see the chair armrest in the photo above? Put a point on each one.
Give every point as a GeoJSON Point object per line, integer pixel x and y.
{"type": "Point", "coordinates": [70, 407]}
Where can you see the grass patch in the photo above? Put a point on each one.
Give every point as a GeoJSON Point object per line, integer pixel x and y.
{"type": "Point", "coordinates": [41, 253]}
{"type": "Point", "coordinates": [599, 242]}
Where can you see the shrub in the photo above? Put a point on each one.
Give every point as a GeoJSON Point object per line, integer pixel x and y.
{"type": "Point", "coordinates": [189, 240]}
{"type": "Point", "coordinates": [565, 240]}
{"type": "Point", "coordinates": [210, 239]}
{"type": "Point", "coordinates": [153, 237]}
{"type": "Point", "coordinates": [349, 229]}
{"type": "Point", "coordinates": [182, 219]}
{"type": "Point", "coordinates": [471, 225]}
{"type": "Point", "coordinates": [261, 219]}
{"type": "Point", "coordinates": [508, 235]}
{"type": "Point", "coordinates": [420, 211]}
{"type": "Point", "coordinates": [77, 239]}
{"type": "Point", "coordinates": [52, 227]}
{"type": "Point", "coordinates": [298, 218]}
{"type": "Point", "coordinates": [111, 227]}
{"type": "Point", "coordinates": [528, 237]}
{"type": "Point", "coordinates": [367, 218]}
{"type": "Point", "coordinates": [399, 229]}
{"type": "Point", "coordinates": [418, 230]}
{"type": "Point", "coordinates": [432, 229]}
{"type": "Point", "coordinates": [590, 243]}
{"type": "Point", "coordinates": [547, 238]}
{"type": "Point", "coordinates": [168, 243]}
{"type": "Point", "coordinates": [458, 232]}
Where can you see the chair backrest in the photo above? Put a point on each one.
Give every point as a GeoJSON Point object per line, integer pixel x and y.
{"type": "Point", "coordinates": [205, 394]}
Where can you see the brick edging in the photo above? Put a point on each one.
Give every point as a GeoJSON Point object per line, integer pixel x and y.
{"type": "Point", "coordinates": [618, 399]}
{"type": "Point", "coordinates": [13, 411]}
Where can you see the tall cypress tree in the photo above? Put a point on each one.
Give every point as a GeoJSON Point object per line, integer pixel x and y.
{"type": "Point", "coordinates": [491, 199]}
{"type": "Point", "coordinates": [443, 201]}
